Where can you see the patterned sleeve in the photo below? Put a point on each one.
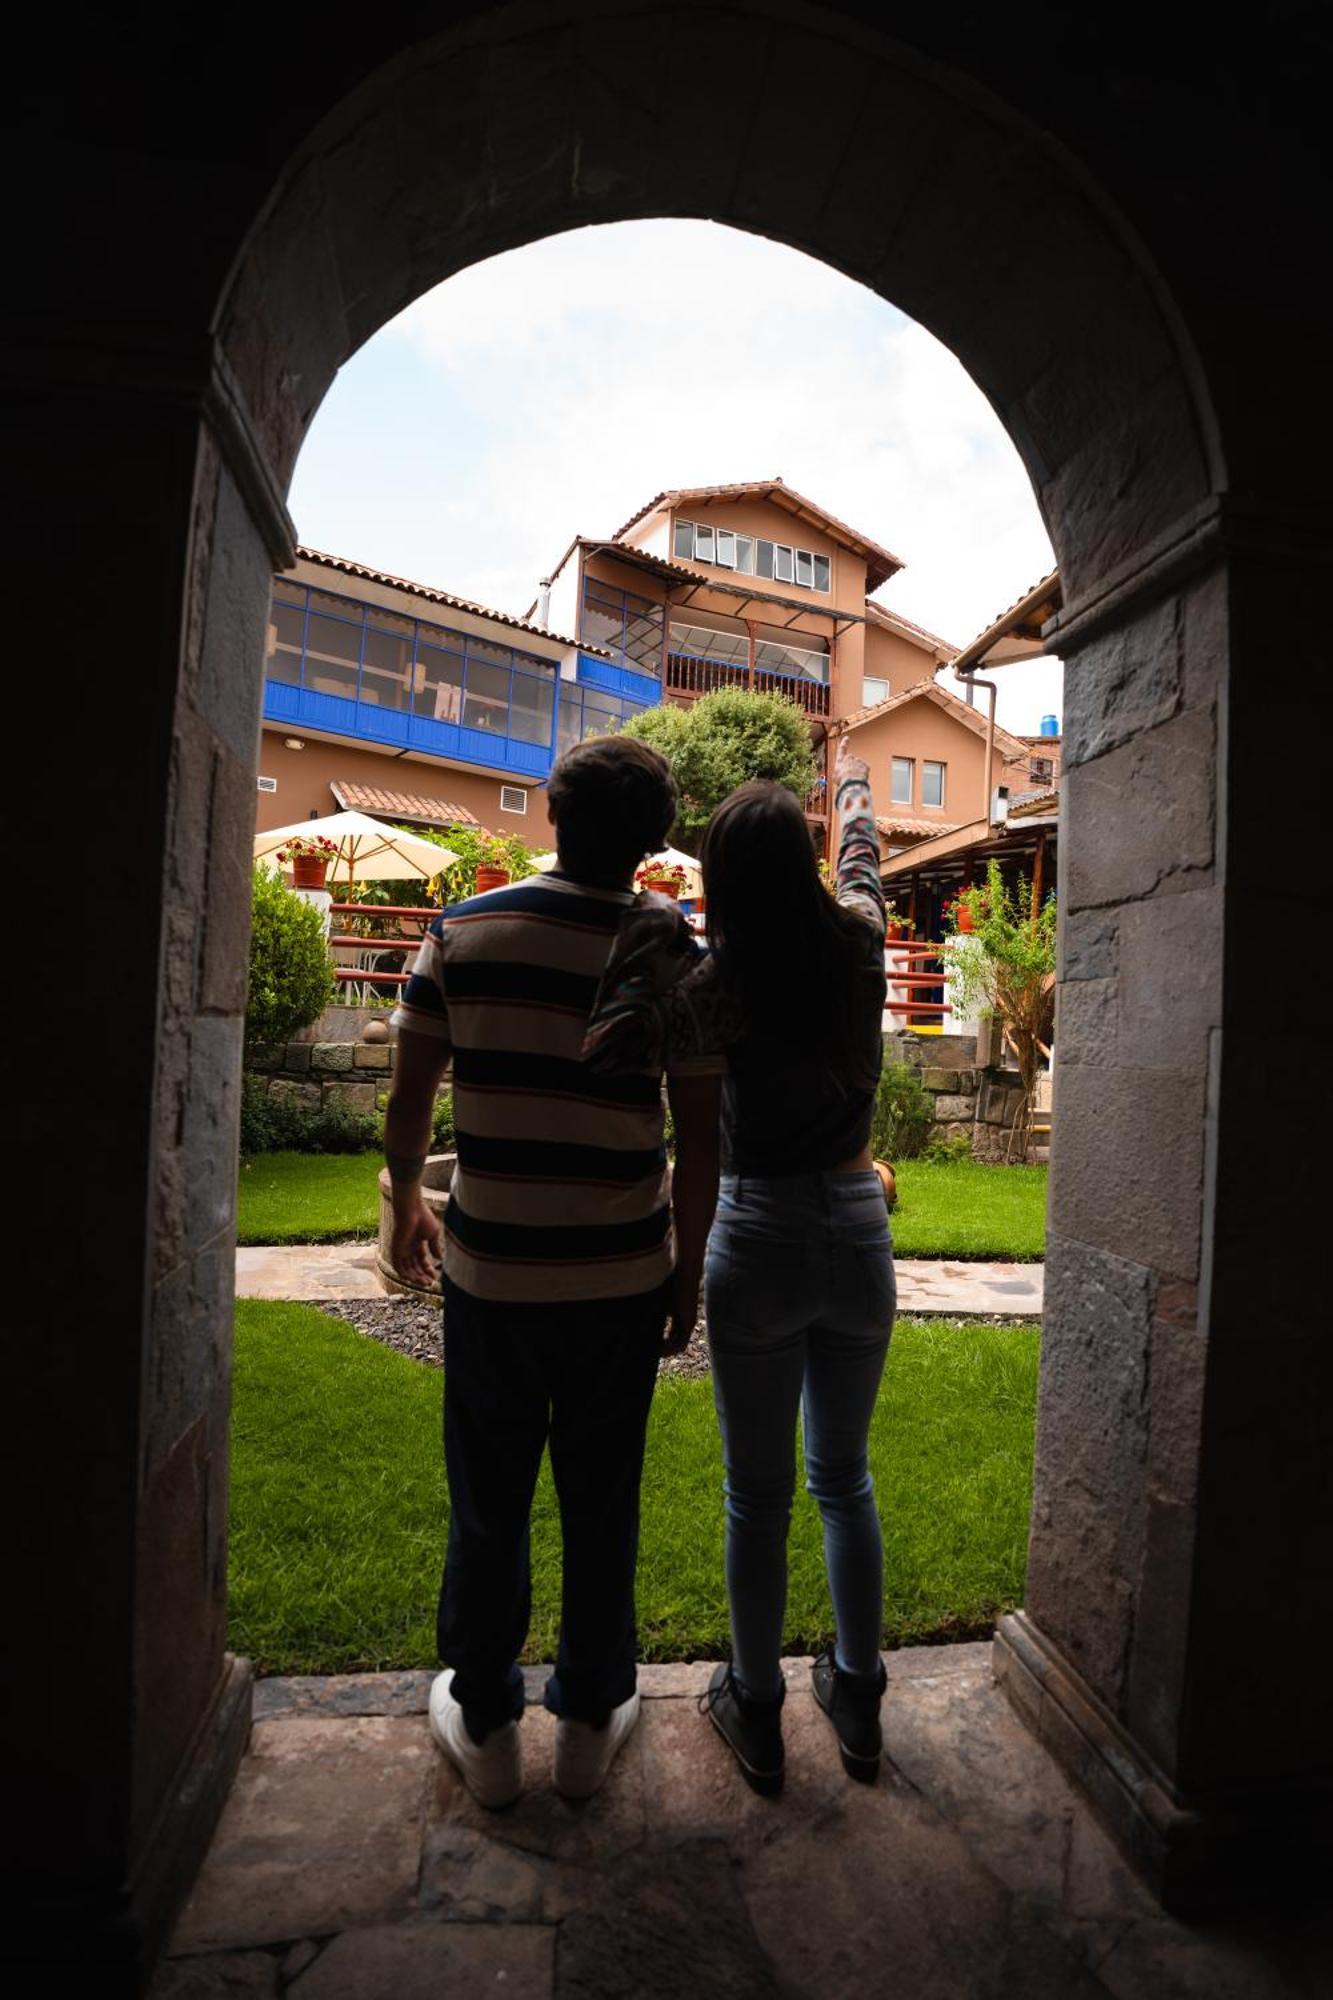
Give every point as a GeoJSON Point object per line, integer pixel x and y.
{"type": "Point", "coordinates": [652, 1010]}
{"type": "Point", "coordinates": [422, 1008]}
{"type": "Point", "coordinates": [859, 887]}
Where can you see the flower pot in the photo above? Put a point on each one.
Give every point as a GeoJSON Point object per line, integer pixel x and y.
{"type": "Point", "coordinates": [893, 933]}
{"type": "Point", "coordinates": [491, 878]}
{"type": "Point", "coordinates": [965, 923]}
{"type": "Point", "coordinates": [663, 885]}
{"type": "Point", "coordinates": [309, 871]}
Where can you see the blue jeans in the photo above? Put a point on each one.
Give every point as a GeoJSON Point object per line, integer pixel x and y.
{"type": "Point", "coordinates": [800, 1298]}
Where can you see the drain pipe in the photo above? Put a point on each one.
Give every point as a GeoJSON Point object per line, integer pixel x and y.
{"type": "Point", "coordinates": [543, 613]}
{"type": "Point", "coordinates": [968, 678]}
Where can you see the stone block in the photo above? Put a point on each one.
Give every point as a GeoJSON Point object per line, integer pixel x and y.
{"type": "Point", "coordinates": [1090, 1493]}
{"type": "Point", "coordinates": [262, 1062]}
{"type": "Point", "coordinates": [1130, 1177]}
{"type": "Point", "coordinates": [371, 1055]}
{"type": "Point", "coordinates": [955, 1108]}
{"type": "Point", "coordinates": [1141, 818]}
{"type": "Point", "coordinates": [296, 1059]}
{"type": "Point", "coordinates": [331, 1056]}
{"type": "Point", "coordinates": [1170, 980]}
{"type": "Point", "coordinates": [300, 1093]}
{"type": "Point", "coordinates": [426, 1961]}
{"type": "Point", "coordinates": [223, 1975]}
{"type": "Point", "coordinates": [997, 1099]}
{"type": "Point", "coordinates": [1127, 680]}
{"type": "Point", "coordinates": [1087, 1022]}
{"type": "Point", "coordinates": [937, 1079]}
{"type": "Point", "coordinates": [353, 1096]}
{"type": "Point", "coordinates": [1089, 944]}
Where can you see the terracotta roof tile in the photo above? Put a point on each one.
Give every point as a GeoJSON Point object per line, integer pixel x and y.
{"type": "Point", "coordinates": [1010, 747]}
{"type": "Point", "coordinates": [350, 568]}
{"type": "Point", "coordinates": [890, 824]}
{"type": "Point", "coordinates": [401, 805]}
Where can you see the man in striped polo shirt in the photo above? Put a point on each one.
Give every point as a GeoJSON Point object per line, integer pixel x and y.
{"type": "Point", "coordinates": [572, 1261]}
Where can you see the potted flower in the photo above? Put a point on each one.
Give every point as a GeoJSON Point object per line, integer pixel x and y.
{"type": "Point", "coordinates": [310, 860]}
{"type": "Point", "coordinates": [895, 929]}
{"type": "Point", "coordinates": [960, 912]}
{"type": "Point", "coordinates": [666, 878]}
{"type": "Point", "coordinates": [490, 875]}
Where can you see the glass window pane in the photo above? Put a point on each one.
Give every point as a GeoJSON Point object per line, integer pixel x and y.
{"type": "Point", "coordinates": [530, 708]}
{"type": "Point", "coordinates": [643, 635]}
{"type": "Point", "coordinates": [745, 554]}
{"type": "Point", "coordinates": [386, 673]}
{"type": "Point", "coordinates": [900, 788]}
{"type": "Point", "coordinates": [805, 568]}
{"type": "Point", "coordinates": [726, 548]}
{"type": "Point", "coordinates": [703, 544]}
{"type": "Point", "coordinates": [823, 577]}
{"type": "Point", "coordinates": [763, 558]}
{"type": "Point", "coordinates": [702, 642]}
{"type": "Point", "coordinates": [873, 691]}
{"type": "Point", "coordinates": [333, 654]}
{"type": "Point", "coordinates": [489, 650]}
{"type": "Point", "coordinates": [283, 660]}
{"type": "Point", "coordinates": [932, 784]}
{"type": "Point", "coordinates": [288, 593]}
{"type": "Point", "coordinates": [782, 563]}
{"type": "Point", "coordinates": [601, 713]}
{"type": "Point", "coordinates": [797, 662]}
{"type": "Point", "coordinates": [684, 541]}
{"type": "Point", "coordinates": [439, 684]}
{"type": "Point", "coordinates": [571, 720]}
{"type": "Point", "coordinates": [603, 620]}
{"type": "Point", "coordinates": [486, 696]}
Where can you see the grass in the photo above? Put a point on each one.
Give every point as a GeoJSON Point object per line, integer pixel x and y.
{"type": "Point", "coordinates": [964, 1210]}
{"type": "Point", "coordinates": [968, 1210]}
{"type": "Point", "coordinates": [308, 1197]}
{"type": "Point", "coordinates": [339, 1506]}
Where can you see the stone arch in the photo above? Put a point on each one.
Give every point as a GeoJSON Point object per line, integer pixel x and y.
{"type": "Point", "coordinates": [515, 123]}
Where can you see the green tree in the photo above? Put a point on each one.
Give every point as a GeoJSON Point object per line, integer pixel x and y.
{"type": "Point", "coordinates": [722, 741]}
{"type": "Point", "coordinates": [291, 976]}
{"type": "Point", "coordinates": [1006, 967]}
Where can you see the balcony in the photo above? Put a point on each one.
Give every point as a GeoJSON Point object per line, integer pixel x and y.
{"type": "Point", "coordinates": [689, 675]}
{"type": "Point", "coordinates": [368, 722]}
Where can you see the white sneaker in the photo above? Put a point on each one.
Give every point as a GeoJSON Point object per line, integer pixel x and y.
{"type": "Point", "coordinates": [584, 1755]}
{"type": "Point", "coordinates": [493, 1770]}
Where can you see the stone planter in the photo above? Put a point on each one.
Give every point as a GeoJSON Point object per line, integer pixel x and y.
{"type": "Point", "coordinates": [435, 1184]}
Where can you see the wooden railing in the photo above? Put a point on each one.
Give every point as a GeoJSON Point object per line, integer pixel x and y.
{"type": "Point", "coordinates": [686, 674]}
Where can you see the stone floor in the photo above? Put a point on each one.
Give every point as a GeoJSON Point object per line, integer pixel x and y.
{"type": "Point", "coordinates": [351, 1864]}
{"type": "Point", "coordinates": [317, 1271]}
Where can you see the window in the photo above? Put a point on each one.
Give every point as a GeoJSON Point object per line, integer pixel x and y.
{"type": "Point", "coordinates": [530, 705]}
{"type": "Point", "coordinates": [745, 554]}
{"type": "Point", "coordinates": [932, 784]}
{"type": "Point", "coordinates": [438, 690]}
{"type": "Point", "coordinates": [703, 544]}
{"type": "Point", "coordinates": [763, 558]}
{"type": "Point", "coordinates": [684, 539]}
{"type": "Point", "coordinates": [873, 691]}
{"type": "Point", "coordinates": [590, 712]}
{"type": "Point", "coordinates": [692, 541]}
{"type": "Point", "coordinates": [784, 569]}
{"type": "Point", "coordinates": [823, 573]}
{"type": "Point", "coordinates": [801, 663]}
{"type": "Point", "coordinates": [900, 782]}
{"type": "Point", "coordinates": [625, 624]}
{"type": "Point", "coordinates": [726, 549]}
{"type": "Point", "coordinates": [386, 673]}
{"type": "Point", "coordinates": [1041, 770]}
{"type": "Point", "coordinates": [703, 642]}
{"type": "Point", "coordinates": [513, 799]}
{"type": "Point", "coordinates": [805, 568]}
{"type": "Point", "coordinates": [333, 645]}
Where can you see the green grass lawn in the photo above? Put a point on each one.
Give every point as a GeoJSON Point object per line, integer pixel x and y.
{"type": "Point", "coordinates": [969, 1210]}
{"type": "Point", "coordinates": [339, 1507]}
{"type": "Point", "coordinates": [308, 1197]}
{"type": "Point", "coordinates": [964, 1210]}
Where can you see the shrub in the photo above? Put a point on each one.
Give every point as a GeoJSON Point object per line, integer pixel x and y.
{"type": "Point", "coordinates": [275, 1122]}
{"type": "Point", "coordinates": [291, 977]}
{"type": "Point", "coordinates": [903, 1116]}
{"type": "Point", "coordinates": [942, 1152]}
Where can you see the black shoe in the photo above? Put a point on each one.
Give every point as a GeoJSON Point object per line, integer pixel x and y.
{"type": "Point", "coordinates": [851, 1703]}
{"type": "Point", "coordinates": [751, 1729]}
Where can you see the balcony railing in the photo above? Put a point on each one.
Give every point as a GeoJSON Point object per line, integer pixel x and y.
{"type": "Point", "coordinates": [688, 674]}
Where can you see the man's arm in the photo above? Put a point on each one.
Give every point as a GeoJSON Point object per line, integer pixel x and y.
{"type": "Point", "coordinates": [696, 1104]}
{"type": "Point", "coordinates": [419, 1064]}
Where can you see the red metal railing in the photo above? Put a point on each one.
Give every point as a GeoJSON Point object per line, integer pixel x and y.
{"type": "Point", "coordinates": [906, 980]}
{"type": "Point", "coordinates": [687, 675]}
{"type": "Point", "coordinates": [405, 926]}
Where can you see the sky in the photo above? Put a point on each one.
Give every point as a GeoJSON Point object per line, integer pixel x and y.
{"type": "Point", "coordinates": [553, 390]}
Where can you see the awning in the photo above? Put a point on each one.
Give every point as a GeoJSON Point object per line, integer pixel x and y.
{"type": "Point", "coordinates": [401, 805]}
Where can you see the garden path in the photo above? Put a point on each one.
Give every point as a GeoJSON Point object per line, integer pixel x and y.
{"type": "Point", "coordinates": [350, 1863]}
{"type": "Point", "coordinates": [315, 1271]}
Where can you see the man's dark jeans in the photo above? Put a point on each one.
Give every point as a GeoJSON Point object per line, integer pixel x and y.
{"type": "Point", "coordinates": [581, 1375]}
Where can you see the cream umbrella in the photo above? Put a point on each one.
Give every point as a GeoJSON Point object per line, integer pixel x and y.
{"type": "Point", "coordinates": [368, 850]}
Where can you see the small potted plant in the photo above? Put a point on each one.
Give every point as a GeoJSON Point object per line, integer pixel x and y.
{"type": "Point", "coordinates": [960, 912]}
{"type": "Point", "coordinates": [310, 860]}
{"type": "Point", "coordinates": [895, 928]}
{"type": "Point", "coordinates": [666, 878]}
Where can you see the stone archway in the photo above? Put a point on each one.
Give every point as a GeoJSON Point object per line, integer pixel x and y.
{"type": "Point", "coordinates": [515, 123]}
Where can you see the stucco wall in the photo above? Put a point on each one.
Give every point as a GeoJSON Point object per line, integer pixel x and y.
{"type": "Point", "coordinates": [305, 776]}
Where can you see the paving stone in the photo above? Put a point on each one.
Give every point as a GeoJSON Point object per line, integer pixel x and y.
{"type": "Point", "coordinates": [662, 1929]}
{"type": "Point", "coordinates": [433, 1962]}
{"type": "Point", "coordinates": [322, 1830]}
{"type": "Point", "coordinates": [230, 1975]}
{"type": "Point", "coordinates": [1159, 1959]}
{"type": "Point", "coordinates": [403, 1693]}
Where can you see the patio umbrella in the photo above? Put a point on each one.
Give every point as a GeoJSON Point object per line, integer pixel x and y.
{"type": "Point", "coordinates": [368, 850]}
{"type": "Point", "coordinates": [670, 857]}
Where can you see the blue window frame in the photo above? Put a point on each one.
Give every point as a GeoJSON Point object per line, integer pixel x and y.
{"type": "Point", "coordinates": [592, 711]}
{"type": "Point", "coordinates": [628, 626]}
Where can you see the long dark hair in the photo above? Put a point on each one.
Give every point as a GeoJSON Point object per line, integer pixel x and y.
{"type": "Point", "coordinates": [791, 955]}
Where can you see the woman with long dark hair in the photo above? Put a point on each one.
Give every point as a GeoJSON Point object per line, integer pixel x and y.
{"type": "Point", "coordinates": [799, 1284]}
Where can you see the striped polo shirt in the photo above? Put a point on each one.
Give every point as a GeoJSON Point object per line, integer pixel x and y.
{"type": "Point", "coordinates": [561, 1189]}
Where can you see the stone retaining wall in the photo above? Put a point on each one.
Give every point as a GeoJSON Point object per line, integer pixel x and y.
{"type": "Point", "coordinates": [318, 1074]}
{"type": "Point", "coordinates": [972, 1102]}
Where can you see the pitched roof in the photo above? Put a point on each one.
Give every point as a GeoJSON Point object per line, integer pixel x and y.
{"type": "Point", "coordinates": [350, 568]}
{"type": "Point", "coordinates": [400, 805]}
{"type": "Point", "coordinates": [880, 614]}
{"type": "Point", "coordinates": [881, 563]}
{"type": "Point", "coordinates": [1022, 622]}
{"type": "Point", "coordinates": [891, 824]}
{"type": "Point", "coordinates": [1009, 746]}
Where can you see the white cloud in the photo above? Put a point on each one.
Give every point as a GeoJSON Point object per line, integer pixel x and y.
{"type": "Point", "coordinates": [556, 388]}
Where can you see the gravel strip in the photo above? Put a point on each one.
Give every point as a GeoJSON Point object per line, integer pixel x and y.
{"type": "Point", "coordinates": [416, 1330]}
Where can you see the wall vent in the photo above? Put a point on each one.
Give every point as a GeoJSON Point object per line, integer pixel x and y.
{"type": "Point", "coordinates": [513, 799]}
{"type": "Point", "coordinates": [268, 784]}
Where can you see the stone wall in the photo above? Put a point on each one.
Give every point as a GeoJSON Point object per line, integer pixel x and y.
{"type": "Point", "coordinates": [318, 1074]}
{"type": "Point", "coordinates": [972, 1101]}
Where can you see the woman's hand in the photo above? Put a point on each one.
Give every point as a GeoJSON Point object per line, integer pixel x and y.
{"type": "Point", "coordinates": [848, 765]}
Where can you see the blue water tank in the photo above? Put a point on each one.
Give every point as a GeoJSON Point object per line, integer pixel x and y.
{"type": "Point", "coordinates": [1050, 725]}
